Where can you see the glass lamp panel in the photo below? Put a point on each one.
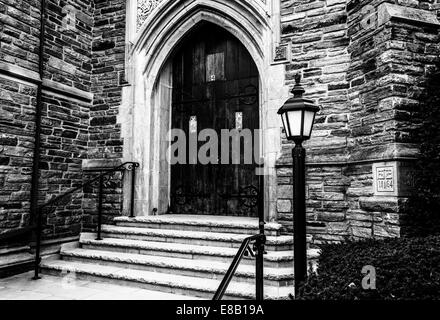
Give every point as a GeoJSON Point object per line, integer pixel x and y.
{"type": "Point", "coordinates": [283, 116]}
{"type": "Point", "coordinates": [286, 129]}
{"type": "Point", "coordinates": [308, 122]}
{"type": "Point", "coordinates": [294, 118]}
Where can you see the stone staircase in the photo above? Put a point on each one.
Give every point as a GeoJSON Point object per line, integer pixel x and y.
{"type": "Point", "coordinates": [182, 254]}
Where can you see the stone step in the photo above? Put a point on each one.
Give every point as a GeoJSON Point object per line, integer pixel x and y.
{"type": "Point", "coordinates": [231, 240]}
{"type": "Point", "coordinates": [280, 259]}
{"type": "Point", "coordinates": [171, 283]}
{"type": "Point", "coordinates": [15, 259]}
{"type": "Point", "coordinates": [218, 224]}
{"type": "Point", "coordinates": [187, 267]}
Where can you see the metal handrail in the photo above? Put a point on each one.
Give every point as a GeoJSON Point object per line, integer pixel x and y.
{"type": "Point", "coordinates": [38, 229]}
{"type": "Point", "coordinates": [260, 240]}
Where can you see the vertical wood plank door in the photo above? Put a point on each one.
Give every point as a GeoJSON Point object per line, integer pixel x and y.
{"type": "Point", "coordinates": [215, 86]}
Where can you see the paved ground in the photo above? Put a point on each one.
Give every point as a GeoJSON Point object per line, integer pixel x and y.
{"type": "Point", "coordinates": [22, 287]}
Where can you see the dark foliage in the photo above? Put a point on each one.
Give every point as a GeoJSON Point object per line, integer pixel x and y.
{"type": "Point", "coordinates": [423, 211]}
{"type": "Point", "coordinates": [406, 269]}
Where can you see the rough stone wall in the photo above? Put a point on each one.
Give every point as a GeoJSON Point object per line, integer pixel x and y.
{"type": "Point", "coordinates": [108, 63]}
{"type": "Point", "coordinates": [19, 42]}
{"type": "Point", "coordinates": [65, 119]}
{"type": "Point", "coordinates": [65, 108]}
{"type": "Point", "coordinates": [108, 70]}
{"type": "Point", "coordinates": [318, 35]}
{"type": "Point", "coordinates": [17, 110]}
{"type": "Point", "coordinates": [84, 58]}
{"type": "Point", "coordinates": [366, 70]}
{"type": "Point", "coordinates": [67, 49]}
{"type": "Point", "coordinates": [64, 146]}
{"type": "Point", "coordinates": [18, 45]}
{"type": "Point", "coordinates": [391, 59]}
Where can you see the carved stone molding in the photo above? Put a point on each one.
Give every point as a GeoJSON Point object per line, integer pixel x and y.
{"type": "Point", "coordinates": [281, 53]}
{"type": "Point", "coordinates": [144, 8]}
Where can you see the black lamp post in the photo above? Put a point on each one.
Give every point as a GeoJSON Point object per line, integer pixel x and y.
{"type": "Point", "coordinates": [298, 115]}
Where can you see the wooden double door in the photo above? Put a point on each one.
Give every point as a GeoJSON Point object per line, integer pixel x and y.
{"type": "Point", "coordinates": [215, 86]}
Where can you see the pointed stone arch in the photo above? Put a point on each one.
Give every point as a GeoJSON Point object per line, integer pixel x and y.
{"type": "Point", "coordinates": [142, 111]}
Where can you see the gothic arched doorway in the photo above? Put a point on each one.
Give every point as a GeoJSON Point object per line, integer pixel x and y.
{"type": "Point", "coordinates": [215, 86]}
{"type": "Point", "coordinates": [145, 115]}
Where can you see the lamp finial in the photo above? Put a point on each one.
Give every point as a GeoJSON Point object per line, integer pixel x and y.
{"type": "Point", "coordinates": [298, 90]}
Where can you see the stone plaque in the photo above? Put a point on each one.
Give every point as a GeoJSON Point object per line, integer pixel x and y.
{"type": "Point", "coordinates": [280, 53]}
{"type": "Point", "coordinates": [385, 181]}
{"type": "Point", "coordinates": [393, 178]}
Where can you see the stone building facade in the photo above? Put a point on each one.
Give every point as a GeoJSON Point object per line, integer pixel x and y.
{"type": "Point", "coordinates": [363, 62]}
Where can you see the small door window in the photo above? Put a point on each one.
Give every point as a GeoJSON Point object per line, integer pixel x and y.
{"type": "Point", "coordinates": [215, 67]}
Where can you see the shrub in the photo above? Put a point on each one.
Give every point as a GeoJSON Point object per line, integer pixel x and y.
{"type": "Point", "coordinates": [423, 210]}
{"type": "Point", "coordinates": [406, 269]}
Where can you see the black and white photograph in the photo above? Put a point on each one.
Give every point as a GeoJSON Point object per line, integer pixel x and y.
{"type": "Point", "coordinates": [221, 155]}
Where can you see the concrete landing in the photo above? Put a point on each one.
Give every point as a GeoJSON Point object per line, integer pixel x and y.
{"type": "Point", "coordinates": [22, 287]}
